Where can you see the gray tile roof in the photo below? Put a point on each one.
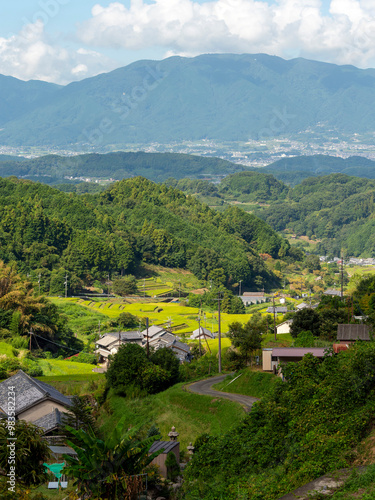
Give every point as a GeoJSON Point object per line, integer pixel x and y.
{"type": "Point", "coordinates": [50, 421]}
{"type": "Point", "coordinates": [62, 450]}
{"type": "Point", "coordinates": [28, 392]}
{"type": "Point", "coordinates": [167, 445]}
{"type": "Point", "coordinates": [112, 338]}
{"type": "Point", "coordinates": [166, 338]}
{"type": "Point", "coordinates": [181, 346]}
{"type": "Point", "coordinates": [153, 330]}
{"type": "Point", "coordinates": [203, 332]}
{"type": "Point", "coordinates": [353, 332]}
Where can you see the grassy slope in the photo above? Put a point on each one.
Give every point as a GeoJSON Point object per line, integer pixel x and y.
{"type": "Point", "coordinates": [76, 384]}
{"type": "Point", "coordinates": [191, 414]}
{"type": "Point", "coordinates": [249, 382]}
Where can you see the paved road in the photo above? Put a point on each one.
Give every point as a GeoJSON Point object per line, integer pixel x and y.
{"type": "Point", "coordinates": [204, 387]}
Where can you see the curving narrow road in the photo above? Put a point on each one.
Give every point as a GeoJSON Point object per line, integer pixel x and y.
{"type": "Point", "coordinates": [205, 387]}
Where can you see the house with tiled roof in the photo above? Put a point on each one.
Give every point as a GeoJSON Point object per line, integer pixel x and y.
{"type": "Point", "coordinates": [202, 333]}
{"type": "Point", "coordinates": [170, 341]}
{"type": "Point", "coordinates": [109, 343]}
{"type": "Point", "coordinates": [35, 401]}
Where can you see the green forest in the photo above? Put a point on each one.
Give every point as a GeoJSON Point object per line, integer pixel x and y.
{"type": "Point", "coordinates": [336, 210]}
{"type": "Point", "coordinates": [48, 233]}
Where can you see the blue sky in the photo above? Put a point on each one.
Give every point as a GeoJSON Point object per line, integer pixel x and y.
{"type": "Point", "coordinates": [65, 40]}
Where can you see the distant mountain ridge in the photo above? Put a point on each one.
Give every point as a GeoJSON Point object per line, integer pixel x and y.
{"type": "Point", "coordinates": [295, 169]}
{"type": "Point", "coordinates": [51, 169]}
{"type": "Point", "coordinates": [223, 97]}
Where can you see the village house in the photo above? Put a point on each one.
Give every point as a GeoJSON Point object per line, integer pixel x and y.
{"type": "Point", "coordinates": [170, 341]}
{"type": "Point", "coordinates": [284, 327]}
{"type": "Point", "coordinates": [35, 401]}
{"type": "Point", "coordinates": [109, 343]}
{"type": "Point", "coordinates": [202, 333]}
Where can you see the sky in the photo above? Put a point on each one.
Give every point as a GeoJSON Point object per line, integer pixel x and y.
{"type": "Point", "coordinates": [61, 41]}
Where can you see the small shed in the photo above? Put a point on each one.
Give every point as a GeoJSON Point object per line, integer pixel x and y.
{"type": "Point", "coordinates": [293, 354]}
{"type": "Point", "coordinates": [167, 447]}
{"type": "Point", "coordinates": [347, 334]}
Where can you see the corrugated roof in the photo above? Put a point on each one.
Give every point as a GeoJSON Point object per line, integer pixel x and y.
{"type": "Point", "coordinates": [253, 294]}
{"type": "Point", "coordinates": [353, 332]}
{"type": "Point", "coordinates": [282, 310]}
{"type": "Point", "coordinates": [298, 352]}
{"type": "Point", "coordinates": [28, 392]}
{"type": "Point", "coordinates": [167, 445]}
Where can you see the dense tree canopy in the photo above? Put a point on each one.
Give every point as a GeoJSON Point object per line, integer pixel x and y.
{"type": "Point", "coordinates": [50, 233]}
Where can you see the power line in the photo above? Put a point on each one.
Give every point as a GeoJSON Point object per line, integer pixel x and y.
{"type": "Point", "coordinates": [52, 342]}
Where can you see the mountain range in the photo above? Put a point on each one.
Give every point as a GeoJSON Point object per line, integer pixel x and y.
{"type": "Point", "coordinates": [223, 97]}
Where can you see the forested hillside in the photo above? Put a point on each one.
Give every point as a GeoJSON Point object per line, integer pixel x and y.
{"type": "Point", "coordinates": [336, 210]}
{"type": "Point", "coordinates": [294, 170]}
{"type": "Point", "coordinates": [52, 169]}
{"type": "Point", "coordinates": [49, 232]}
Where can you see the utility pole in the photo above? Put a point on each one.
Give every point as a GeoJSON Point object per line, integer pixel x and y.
{"type": "Point", "coordinates": [99, 328]}
{"type": "Point", "coordinates": [219, 299]}
{"type": "Point", "coordinates": [179, 291]}
{"type": "Point", "coordinates": [39, 276]}
{"type": "Point", "coordinates": [147, 344]}
{"type": "Point", "coordinates": [31, 332]}
{"type": "Point", "coordinates": [239, 290]}
{"type": "Point", "coordinates": [108, 285]}
{"type": "Point", "coordinates": [199, 337]}
{"type": "Point", "coordinates": [144, 288]}
{"type": "Point", "coordinates": [274, 317]}
{"type": "Point", "coordinates": [66, 285]}
{"type": "Point", "coordinates": [342, 276]}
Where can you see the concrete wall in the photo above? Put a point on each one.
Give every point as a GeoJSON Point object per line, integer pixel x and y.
{"type": "Point", "coordinates": [266, 360]}
{"type": "Point", "coordinates": [40, 410]}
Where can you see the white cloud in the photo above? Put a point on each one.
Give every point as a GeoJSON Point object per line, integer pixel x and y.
{"type": "Point", "coordinates": [30, 55]}
{"type": "Point", "coordinates": [298, 27]}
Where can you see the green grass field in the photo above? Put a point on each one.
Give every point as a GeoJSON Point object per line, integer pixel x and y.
{"type": "Point", "coordinates": [6, 349]}
{"type": "Point", "coordinates": [53, 367]}
{"type": "Point", "coordinates": [250, 382]}
{"type": "Point", "coordinates": [77, 384]}
{"type": "Point", "coordinates": [191, 414]}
